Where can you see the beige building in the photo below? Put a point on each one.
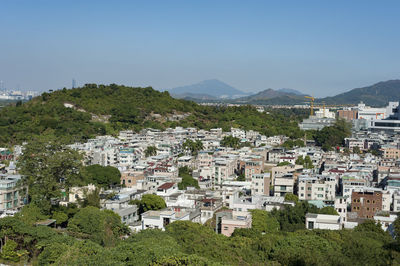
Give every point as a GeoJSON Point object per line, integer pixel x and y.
{"type": "Point", "coordinates": [391, 153]}
{"type": "Point", "coordinates": [283, 185]}
{"type": "Point", "coordinates": [260, 184]}
{"type": "Point", "coordinates": [282, 170]}
{"type": "Point", "coordinates": [314, 188]}
{"type": "Point", "coordinates": [228, 221]}
{"type": "Point", "coordinates": [130, 178]}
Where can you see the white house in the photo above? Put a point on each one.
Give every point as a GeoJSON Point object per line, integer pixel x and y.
{"type": "Point", "coordinates": [323, 221]}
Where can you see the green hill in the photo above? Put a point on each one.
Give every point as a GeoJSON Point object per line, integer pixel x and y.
{"type": "Point", "coordinates": [378, 94]}
{"type": "Point", "coordinates": [81, 113]}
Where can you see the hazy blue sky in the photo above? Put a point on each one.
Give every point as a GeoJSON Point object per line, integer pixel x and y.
{"type": "Point", "coordinates": [318, 47]}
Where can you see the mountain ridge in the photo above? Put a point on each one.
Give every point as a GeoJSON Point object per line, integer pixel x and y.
{"type": "Point", "coordinates": [211, 87]}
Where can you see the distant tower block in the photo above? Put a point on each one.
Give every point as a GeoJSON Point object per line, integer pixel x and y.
{"type": "Point", "coordinates": [73, 83]}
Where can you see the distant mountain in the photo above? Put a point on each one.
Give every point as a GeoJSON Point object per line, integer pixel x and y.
{"type": "Point", "coordinates": [211, 87]}
{"type": "Point", "coordinates": [194, 96]}
{"type": "Point", "coordinates": [270, 96]}
{"type": "Point", "coordinates": [290, 91]}
{"type": "Point", "coordinates": [378, 94]}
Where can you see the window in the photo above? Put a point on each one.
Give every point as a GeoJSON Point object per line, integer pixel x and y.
{"type": "Point", "coordinates": [226, 228]}
{"type": "Point", "coordinates": [302, 188]}
{"type": "Point", "coordinates": [354, 200]}
{"type": "Point", "coordinates": [310, 225]}
{"type": "Point", "coordinates": [309, 188]}
{"type": "Point", "coordinates": [368, 201]}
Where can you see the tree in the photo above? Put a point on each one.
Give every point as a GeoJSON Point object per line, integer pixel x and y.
{"type": "Point", "coordinates": [150, 202]}
{"type": "Point", "coordinates": [150, 151]}
{"type": "Point", "coordinates": [187, 179]}
{"type": "Point", "coordinates": [283, 164]}
{"type": "Point", "coordinates": [305, 162]}
{"type": "Point", "coordinates": [328, 210]}
{"type": "Point", "coordinates": [9, 252]}
{"type": "Point", "coordinates": [241, 177]}
{"type": "Point", "coordinates": [47, 168]}
{"type": "Point", "coordinates": [60, 217]}
{"type": "Point", "coordinates": [308, 163]}
{"type": "Point", "coordinates": [90, 199]}
{"type": "Point", "coordinates": [103, 176]}
{"type": "Point", "coordinates": [101, 226]}
{"type": "Point", "coordinates": [291, 197]}
{"type": "Point", "coordinates": [193, 146]}
{"type": "Point", "coordinates": [263, 221]}
{"type": "Point", "coordinates": [356, 150]}
{"type": "Point", "coordinates": [332, 136]}
{"type": "Point", "coordinates": [230, 141]}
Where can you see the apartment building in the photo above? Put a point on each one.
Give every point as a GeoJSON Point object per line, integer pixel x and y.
{"type": "Point", "coordinates": [260, 184]}
{"type": "Point", "coordinates": [316, 188]}
{"type": "Point", "coordinates": [366, 203]}
{"type": "Point", "coordinates": [391, 153]}
{"type": "Point", "coordinates": [283, 184]}
{"type": "Point", "coordinates": [12, 196]}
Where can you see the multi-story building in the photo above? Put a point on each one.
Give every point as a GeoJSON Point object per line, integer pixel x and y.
{"type": "Point", "coordinates": [129, 178]}
{"type": "Point", "coordinates": [260, 184]}
{"type": "Point", "coordinates": [316, 188]}
{"type": "Point", "coordinates": [12, 196]}
{"type": "Point", "coordinates": [283, 184]}
{"type": "Point", "coordinates": [366, 203]}
{"type": "Point", "coordinates": [253, 166]}
{"type": "Point", "coordinates": [391, 153]}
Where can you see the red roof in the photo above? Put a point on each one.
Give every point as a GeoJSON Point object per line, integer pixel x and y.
{"type": "Point", "coordinates": [166, 185]}
{"type": "Point", "coordinates": [336, 171]}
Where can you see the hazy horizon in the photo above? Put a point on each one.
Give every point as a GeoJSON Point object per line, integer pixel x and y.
{"type": "Point", "coordinates": [318, 48]}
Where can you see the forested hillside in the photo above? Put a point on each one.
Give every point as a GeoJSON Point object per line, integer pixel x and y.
{"type": "Point", "coordinates": [378, 94]}
{"type": "Point", "coordinates": [105, 109]}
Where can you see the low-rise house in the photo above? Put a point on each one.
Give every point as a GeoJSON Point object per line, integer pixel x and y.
{"type": "Point", "coordinates": [386, 220]}
{"type": "Point", "coordinates": [160, 219]}
{"type": "Point", "coordinates": [120, 205]}
{"type": "Point", "coordinates": [78, 193]}
{"type": "Point", "coordinates": [323, 221]}
{"type": "Point", "coordinates": [227, 221]}
{"type": "Point", "coordinates": [167, 189]}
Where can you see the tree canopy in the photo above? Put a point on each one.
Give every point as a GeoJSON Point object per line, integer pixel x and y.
{"type": "Point", "coordinates": [103, 176]}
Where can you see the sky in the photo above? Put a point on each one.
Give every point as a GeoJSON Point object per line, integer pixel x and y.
{"type": "Point", "coordinates": [318, 47]}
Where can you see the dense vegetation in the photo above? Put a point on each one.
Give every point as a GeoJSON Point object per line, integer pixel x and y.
{"type": "Point", "coordinates": [106, 109]}
{"type": "Point", "coordinates": [187, 179]}
{"type": "Point", "coordinates": [149, 202]}
{"type": "Point", "coordinates": [379, 94]}
{"type": "Point", "coordinates": [93, 237]}
{"type": "Point", "coordinates": [332, 136]}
